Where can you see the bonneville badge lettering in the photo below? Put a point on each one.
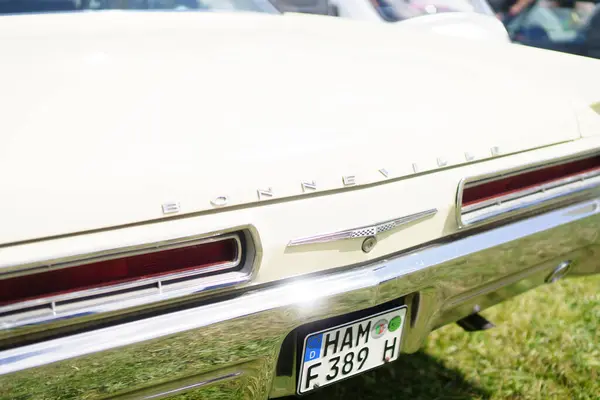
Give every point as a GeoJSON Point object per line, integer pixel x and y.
{"type": "Point", "coordinates": [220, 201]}
{"type": "Point", "coordinates": [170, 208]}
{"type": "Point", "coordinates": [349, 180]}
{"type": "Point", "coordinates": [264, 193]}
{"type": "Point", "coordinates": [309, 185]}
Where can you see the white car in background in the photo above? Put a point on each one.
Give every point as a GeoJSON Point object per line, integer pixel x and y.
{"type": "Point", "coordinates": [473, 19]}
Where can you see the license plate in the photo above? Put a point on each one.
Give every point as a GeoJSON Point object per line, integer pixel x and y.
{"type": "Point", "coordinates": [346, 350]}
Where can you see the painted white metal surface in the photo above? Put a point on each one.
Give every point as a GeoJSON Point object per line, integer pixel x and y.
{"type": "Point", "coordinates": [107, 117]}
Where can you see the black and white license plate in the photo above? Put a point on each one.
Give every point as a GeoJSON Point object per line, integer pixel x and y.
{"type": "Point", "coordinates": [340, 352]}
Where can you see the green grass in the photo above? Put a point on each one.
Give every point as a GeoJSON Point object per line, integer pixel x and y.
{"type": "Point", "coordinates": [546, 345]}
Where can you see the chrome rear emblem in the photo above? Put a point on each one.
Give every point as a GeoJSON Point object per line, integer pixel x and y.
{"type": "Point", "coordinates": [372, 230]}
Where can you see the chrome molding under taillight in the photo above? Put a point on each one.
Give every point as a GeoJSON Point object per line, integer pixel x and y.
{"type": "Point", "coordinates": [134, 294]}
{"type": "Point", "coordinates": [529, 199]}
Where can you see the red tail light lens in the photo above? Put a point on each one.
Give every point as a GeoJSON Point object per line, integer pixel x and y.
{"type": "Point", "coordinates": [199, 257]}
{"type": "Point", "coordinates": [527, 180]}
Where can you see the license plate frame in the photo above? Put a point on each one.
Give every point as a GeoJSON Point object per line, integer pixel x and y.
{"type": "Point", "coordinates": [310, 357]}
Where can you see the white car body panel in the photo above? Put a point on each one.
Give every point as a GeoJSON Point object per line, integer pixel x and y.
{"type": "Point", "coordinates": [224, 123]}
{"type": "Point", "coordinates": [268, 130]}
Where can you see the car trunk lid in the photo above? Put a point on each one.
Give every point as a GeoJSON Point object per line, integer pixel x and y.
{"type": "Point", "coordinates": [108, 118]}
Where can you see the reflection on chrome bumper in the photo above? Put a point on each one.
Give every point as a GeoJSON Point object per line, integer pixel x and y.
{"type": "Point", "coordinates": [229, 349]}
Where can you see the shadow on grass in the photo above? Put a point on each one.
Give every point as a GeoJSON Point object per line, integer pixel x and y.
{"type": "Point", "coordinates": [413, 376]}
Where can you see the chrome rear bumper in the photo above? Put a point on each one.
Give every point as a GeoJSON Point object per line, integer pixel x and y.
{"type": "Point", "coordinates": [239, 347]}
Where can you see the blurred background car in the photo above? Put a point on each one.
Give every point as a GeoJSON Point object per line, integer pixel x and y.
{"type": "Point", "coordinates": [473, 19]}
{"type": "Point", "coordinates": [567, 26]}
{"type": "Point", "coordinates": [400, 10]}
{"type": "Point", "coordinates": [29, 6]}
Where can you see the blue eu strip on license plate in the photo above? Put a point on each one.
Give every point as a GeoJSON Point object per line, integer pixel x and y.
{"type": "Point", "coordinates": [350, 349]}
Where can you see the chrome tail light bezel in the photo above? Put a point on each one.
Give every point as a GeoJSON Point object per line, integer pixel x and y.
{"type": "Point", "coordinates": [527, 200]}
{"type": "Point", "coordinates": [63, 309]}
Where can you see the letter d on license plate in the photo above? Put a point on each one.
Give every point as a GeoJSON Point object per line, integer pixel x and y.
{"type": "Point", "coordinates": [346, 350]}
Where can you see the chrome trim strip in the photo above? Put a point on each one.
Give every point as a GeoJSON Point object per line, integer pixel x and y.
{"type": "Point", "coordinates": [183, 387]}
{"type": "Point", "coordinates": [312, 298]}
{"type": "Point", "coordinates": [363, 231]}
{"type": "Point", "coordinates": [57, 313]}
{"type": "Point", "coordinates": [528, 203]}
{"type": "Point", "coordinates": [110, 305]}
{"type": "Point", "coordinates": [206, 382]}
{"type": "Point", "coordinates": [525, 200]}
{"type": "Point", "coordinates": [510, 209]}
